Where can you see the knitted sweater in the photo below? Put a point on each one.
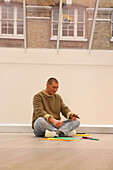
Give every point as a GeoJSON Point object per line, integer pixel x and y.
{"type": "Point", "coordinates": [47, 106]}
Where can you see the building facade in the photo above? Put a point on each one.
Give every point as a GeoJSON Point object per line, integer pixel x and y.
{"type": "Point", "coordinates": [42, 17]}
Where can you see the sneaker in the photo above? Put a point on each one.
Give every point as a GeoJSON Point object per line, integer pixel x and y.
{"type": "Point", "coordinates": [71, 133]}
{"type": "Point", "coordinates": [50, 134]}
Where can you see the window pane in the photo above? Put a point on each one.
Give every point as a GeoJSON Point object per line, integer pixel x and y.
{"type": "Point", "coordinates": [71, 12]}
{"type": "Point", "coordinates": [4, 15]}
{"type": "Point", "coordinates": [55, 32]}
{"type": "Point", "coordinates": [10, 15]}
{"type": "Point", "coordinates": [55, 29]}
{"type": "Point", "coordinates": [11, 12]}
{"type": "Point", "coordinates": [4, 23]}
{"type": "Point", "coordinates": [71, 26]}
{"type": "Point", "coordinates": [11, 9]}
{"type": "Point", "coordinates": [80, 12]}
{"type": "Point", "coordinates": [80, 26]}
{"type": "Point", "coordinates": [80, 18]}
{"type": "Point", "coordinates": [55, 18]}
{"type": "Point", "coordinates": [19, 30]}
{"type": "Point", "coordinates": [19, 27]}
{"type": "Point", "coordinates": [4, 30]}
{"type": "Point", "coordinates": [67, 29]}
{"type": "Point", "coordinates": [80, 15]}
{"type": "Point", "coordinates": [19, 13]}
{"type": "Point", "coordinates": [20, 9]}
{"type": "Point", "coordinates": [55, 12]}
{"type": "Point", "coordinates": [71, 30]}
{"type": "Point", "coordinates": [4, 12]}
{"type": "Point", "coordinates": [80, 30]}
{"type": "Point", "coordinates": [19, 24]}
{"type": "Point", "coordinates": [10, 31]}
{"type": "Point", "coordinates": [4, 9]}
{"type": "Point", "coordinates": [20, 16]}
{"type": "Point", "coordinates": [10, 24]}
{"type": "Point", "coordinates": [64, 32]}
{"type": "Point", "coordinates": [65, 11]}
{"type": "Point", "coordinates": [71, 33]}
{"type": "Point", "coordinates": [55, 15]}
{"type": "Point", "coordinates": [55, 25]}
{"type": "Point", "coordinates": [65, 25]}
{"type": "Point", "coordinates": [80, 33]}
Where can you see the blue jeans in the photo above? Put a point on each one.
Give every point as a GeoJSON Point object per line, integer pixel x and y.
{"type": "Point", "coordinates": [41, 125]}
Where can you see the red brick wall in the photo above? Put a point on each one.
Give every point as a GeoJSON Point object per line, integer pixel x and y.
{"type": "Point", "coordinates": [11, 43]}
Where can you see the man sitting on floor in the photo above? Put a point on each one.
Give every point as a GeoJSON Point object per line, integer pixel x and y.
{"type": "Point", "coordinates": [46, 115]}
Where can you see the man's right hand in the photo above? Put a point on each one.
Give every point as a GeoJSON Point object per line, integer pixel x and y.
{"type": "Point", "coordinates": [56, 123]}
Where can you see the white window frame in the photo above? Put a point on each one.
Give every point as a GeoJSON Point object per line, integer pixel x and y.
{"type": "Point", "coordinates": [15, 35]}
{"type": "Point", "coordinates": [70, 38]}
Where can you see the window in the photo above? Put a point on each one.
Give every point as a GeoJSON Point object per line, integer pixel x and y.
{"type": "Point", "coordinates": [73, 23]}
{"type": "Point", "coordinates": [11, 21]}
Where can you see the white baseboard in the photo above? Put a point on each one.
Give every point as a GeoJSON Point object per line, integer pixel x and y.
{"type": "Point", "coordinates": [15, 128]}
{"type": "Point", "coordinates": [84, 128]}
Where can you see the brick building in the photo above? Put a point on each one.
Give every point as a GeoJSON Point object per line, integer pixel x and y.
{"type": "Point", "coordinates": [42, 24]}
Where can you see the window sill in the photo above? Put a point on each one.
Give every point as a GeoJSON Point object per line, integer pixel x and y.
{"type": "Point", "coordinates": [69, 39]}
{"type": "Point", "coordinates": [11, 37]}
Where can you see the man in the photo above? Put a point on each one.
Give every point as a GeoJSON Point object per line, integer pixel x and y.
{"type": "Point", "coordinates": [46, 115]}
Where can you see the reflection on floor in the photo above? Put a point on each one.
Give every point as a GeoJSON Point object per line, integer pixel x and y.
{"type": "Point", "coordinates": [24, 151]}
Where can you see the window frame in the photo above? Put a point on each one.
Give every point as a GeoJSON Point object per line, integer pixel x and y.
{"type": "Point", "coordinates": [71, 38]}
{"type": "Point", "coordinates": [15, 19]}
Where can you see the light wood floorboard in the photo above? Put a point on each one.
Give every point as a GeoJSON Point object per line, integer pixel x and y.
{"type": "Point", "coordinates": [24, 151]}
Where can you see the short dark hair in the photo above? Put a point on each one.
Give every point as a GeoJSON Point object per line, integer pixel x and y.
{"type": "Point", "coordinates": [50, 80]}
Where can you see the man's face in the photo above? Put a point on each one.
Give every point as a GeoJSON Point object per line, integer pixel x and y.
{"type": "Point", "coordinates": [52, 88]}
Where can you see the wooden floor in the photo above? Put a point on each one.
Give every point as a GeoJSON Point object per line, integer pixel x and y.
{"type": "Point", "coordinates": [23, 151]}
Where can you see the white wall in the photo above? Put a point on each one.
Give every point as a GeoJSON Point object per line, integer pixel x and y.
{"type": "Point", "coordinates": [86, 82]}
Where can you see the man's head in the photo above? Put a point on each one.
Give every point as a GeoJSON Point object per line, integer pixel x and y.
{"type": "Point", "coordinates": [52, 86]}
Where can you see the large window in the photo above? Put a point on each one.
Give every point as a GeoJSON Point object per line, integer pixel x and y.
{"type": "Point", "coordinates": [11, 21]}
{"type": "Point", "coordinates": [73, 23]}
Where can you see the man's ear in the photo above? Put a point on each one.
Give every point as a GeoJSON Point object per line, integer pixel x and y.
{"type": "Point", "coordinates": [47, 85]}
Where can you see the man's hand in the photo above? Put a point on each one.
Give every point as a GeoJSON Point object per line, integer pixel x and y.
{"type": "Point", "coordinates": [73, 116]}
{"type": "Point", "coordinates": [56, 123]}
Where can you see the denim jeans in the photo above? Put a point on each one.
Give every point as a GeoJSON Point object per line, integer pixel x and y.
{"type": "Point", "coordinates": [41, 125]}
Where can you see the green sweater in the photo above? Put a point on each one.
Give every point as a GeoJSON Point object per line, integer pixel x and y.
{"type": "Point", "coordinates": [47, 106]}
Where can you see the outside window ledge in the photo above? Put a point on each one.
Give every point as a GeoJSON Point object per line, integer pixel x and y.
{"type": "Point", "coordinates": [11, 37]}
{"type": "Point", "coordinates": [111, 39]}
{"type": "Point", "coordinates": [69, 39]}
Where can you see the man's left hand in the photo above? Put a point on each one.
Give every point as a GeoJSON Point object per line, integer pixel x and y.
{"type": "Point", "coordinates": [73, 116]}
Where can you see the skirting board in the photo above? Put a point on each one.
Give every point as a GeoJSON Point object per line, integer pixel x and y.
{"type": "Point", "coordinates": [84, 128]}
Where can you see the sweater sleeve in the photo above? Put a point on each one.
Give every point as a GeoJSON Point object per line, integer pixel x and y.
{"type": "Point", "coordinates": [39, 108]}
{"type": "Point", "coordinates": [65, 110]}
